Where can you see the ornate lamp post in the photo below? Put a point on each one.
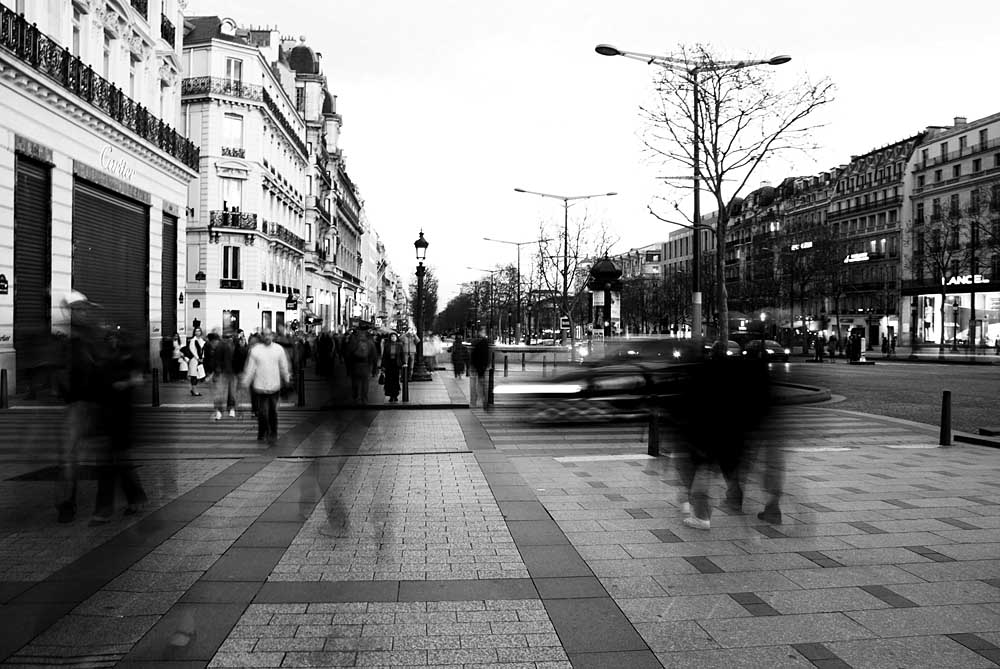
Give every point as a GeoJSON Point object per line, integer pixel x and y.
{"type": "Point", "coordinates": [420, 372]}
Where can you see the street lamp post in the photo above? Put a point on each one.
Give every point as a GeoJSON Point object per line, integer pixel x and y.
{"type": "Point", "coordinates": [692, 69]}
{"type": "Point", "coordinates": [420, 372]}
{"type": "Point", "coordinates": [565, 270]}
{"type": "Point", "coordinates": [517, 326]}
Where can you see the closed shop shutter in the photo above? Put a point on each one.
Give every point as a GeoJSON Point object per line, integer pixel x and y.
{"type": "Point", "coordinates": [168, 291]}
{"type": "Point", "coordinates": [111, 259]}
{"type": "Point", "coordinates": [32, 272]}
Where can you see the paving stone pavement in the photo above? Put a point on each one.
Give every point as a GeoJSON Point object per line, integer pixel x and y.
{"type": "Point", "coordinates": [456, 537]}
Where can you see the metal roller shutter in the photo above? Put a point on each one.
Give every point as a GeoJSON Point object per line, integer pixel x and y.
{"type": "Point", "coordinates": [111, 259]}
{"type": "Point", "coordinates": [168, 275]}
{"type": "Point", "coordinates": [32, 271]}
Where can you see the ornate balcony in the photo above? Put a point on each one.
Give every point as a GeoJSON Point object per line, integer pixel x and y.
{"type": "Point", "coordinates": [45, 55]}
{"type": "Point", "coordinates": [240, 220]}
{"type": "Point", "coordinates": [231, 284]}
{"type": "Point", "coordinates": [167, 31]}
{"type": "Point", "coordinates": [234, 152]}
{"type": "Point", "coordinates": [283, 122]}
{"type": "Point", "coordinates": [221, 86]}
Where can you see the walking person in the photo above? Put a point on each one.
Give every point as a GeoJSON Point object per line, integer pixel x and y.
{"type": "Point", "coordinates": [361, 359]}
{"type": "Point", "coordinates": [393, 359]}
{"type": "Point", "coordinates": [820, 345]}
{"type": "Point", "coordinates": [266, 373]}
{"type": "Point", "coordinates": [831, 346]}
{"type": "Point", "coordinates": [122, 372]}
{"type": "Point", "coordinates": [80, 388]}
{"type": "Point", "coordinates": [224, 377]}
{"type": "Point", "coordinates": [195, 360]}
{"type": "Point", "coordinates": [479, 361]}
{"type": "Point", "coordinates": [459, 357]}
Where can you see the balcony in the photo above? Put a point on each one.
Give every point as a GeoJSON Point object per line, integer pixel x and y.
{"type": "Point", "coordinates": [239, 220]}
{"type": "Point", "coordinates": [167, 31]}
{"type": "Point", "coordinates": [317, 204]}
{"type": "Point", "coordinates": [280, 233]}
{"type": "Point", "coordinates": [231, 284]}
{"type": "Point", "coordinates": [44, 54]}
{"type": "Point", "coordinates": [283, 122]}
{"type": "Point", "coordinates": [142, 6]}
{"type": "Point", "coordinates": [219, 86]}
{"type": "Point", "coordinates": [854, 209]}
{"type": "Point", "coordinates": [234, 152]}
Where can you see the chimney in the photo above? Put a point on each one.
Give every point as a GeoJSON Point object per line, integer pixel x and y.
{"type": "Point", "coordinates": [960, 121]}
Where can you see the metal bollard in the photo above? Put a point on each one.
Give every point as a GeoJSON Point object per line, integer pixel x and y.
{"type": "Point", "coordinates": [156, 387]}
{"type": "Point", "coordinates": [406, 381]}
{"type": "Point", "coordinates": [522, 361]}
{"type": "Point", "coordinates": [4, 402]}
{"type": "Point", "coordinates": [300, 387]}
{"type": "Point", "coordinates": [946, 418]}
{"type": "Point", "coordinates": [489, 390]}
{"type": "Point", "coordinates": [543, 366]}
{"type": "Point", "coordinates": [505, 366]}
{"type": "Point", "coordinates": [653, 447]}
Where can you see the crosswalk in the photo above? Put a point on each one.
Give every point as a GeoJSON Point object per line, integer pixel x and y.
{"type": "Point", "coordinates": [27, 434]}
{"type": "Point", "coordinates": [798, 429]}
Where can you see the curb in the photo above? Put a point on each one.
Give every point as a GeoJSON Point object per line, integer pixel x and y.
{"type": "Point", "coordinates": [816, 395]}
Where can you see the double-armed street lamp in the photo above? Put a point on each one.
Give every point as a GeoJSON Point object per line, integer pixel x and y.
{"type": "Point", "coordinates": [565, 270]}
{"type": "Point", "coordinates": [691, 69]}
{"type": "Point", "coordinates": [517, 326]}
{"type": "Point", "coordinates": [420, 372]}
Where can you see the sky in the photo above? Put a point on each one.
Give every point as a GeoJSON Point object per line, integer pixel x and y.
{"type": "Point", "coordinates": [448, 105]}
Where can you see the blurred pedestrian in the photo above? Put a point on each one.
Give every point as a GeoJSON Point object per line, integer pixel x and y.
{"type": "Point", "coordinates": [820, 345]}
{"type": "Point", "coordinates": [360, 358]}
{"type": "Point", "coordinates": [479, 359]}
{"type": "Point", "coordinates": [195, 356]}
{"type": "Point", "coordinates": [266, 373]}
{"type": "Point", "coordinates": [167, 364]}
{"type": "Point", "coordinates": [224, 377]}
{"type": "Point", "coordinates": [885, 347]}
{"type": "Point", "coordinates": [831, 346]}
{"type": "Point", "coordinates": [122, 371]}
{"type": "Point", "coordinates": [80, 388]}
{"type": "Point", "coordinates": [459, 357]}
{"type": "Point", "coordinates": [393, 359]}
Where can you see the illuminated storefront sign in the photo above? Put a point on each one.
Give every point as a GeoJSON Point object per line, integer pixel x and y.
{"type": "Point", "coordinates": [965, 280]}
{"type": "Point", "coordinates": [801, 247]}
{"type": "Point", "coordinates": [856, 257]}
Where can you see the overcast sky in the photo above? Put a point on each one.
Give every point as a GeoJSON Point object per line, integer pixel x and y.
{"type": "Point", "coordinates": [448, 105]}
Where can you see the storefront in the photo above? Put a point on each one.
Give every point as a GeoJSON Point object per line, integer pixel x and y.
{"type": "Point", "coordinates": [969, 312]}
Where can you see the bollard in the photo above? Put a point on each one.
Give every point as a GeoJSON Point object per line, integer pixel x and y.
{"type": "Point", "coordinates": [522, 361]}
{"type": "Point", "coordinates": [489, 390]}
{"type": "Point", "coordinates": [300, 387]}
{"type": "Point", "coordinates": [4, 404]}
{"type": "Point", "coordinates": [946, 418]}
{"type": "Point", "coordinates": [543, 366]}
{"type": "Point", "coordinates": [653, 447]}
{"type": "Point", "coordinates": [156, 387]}
{"type": "Point", "coordinates": [406, 381]}
{"type": "Point", "coordinates": [505, 366]}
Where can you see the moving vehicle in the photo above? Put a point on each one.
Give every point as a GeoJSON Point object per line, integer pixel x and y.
{"type": "Point", "coordinates": [766, 349]}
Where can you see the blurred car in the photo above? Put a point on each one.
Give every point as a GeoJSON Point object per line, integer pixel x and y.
{"type": "Point", "coordinates": [766, 349]}
{"type": "Point", "coordinates": [732, 349]}
{"type": "Point", "coordinates": [656, 350]}
{"type": "Point", "coordinates": [616, 391]}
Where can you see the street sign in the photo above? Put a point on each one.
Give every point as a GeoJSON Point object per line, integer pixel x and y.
{"type": "Point", "coordinates": [564, 322]}
{"type": "Point", "coordinates": [291, 303]}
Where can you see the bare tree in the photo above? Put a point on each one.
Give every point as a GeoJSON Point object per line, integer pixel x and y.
{"type": "Point", "coordinates": [744, 119]}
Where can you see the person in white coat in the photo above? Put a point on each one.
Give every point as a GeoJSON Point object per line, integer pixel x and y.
{"type": "Point", "coordinates": [266, 371]}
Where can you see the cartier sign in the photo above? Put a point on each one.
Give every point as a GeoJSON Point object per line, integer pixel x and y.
{"type": "Point", "coordinates": [116, 164]}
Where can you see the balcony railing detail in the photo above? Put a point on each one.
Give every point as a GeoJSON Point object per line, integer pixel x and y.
{"type": "Point", "coordinates": [167, 31]}
{"type": "Point", "coordinates": [221, 86]}
{"type": "Point", "coordinates": [234, 152]}
{"type": "Point", "coordinates": [231, 284]}
{"type": "Point", "coordinates": [142, 6]}
{"type": "Point", "coordinates": [854, 209]}
{"type": "Point", "coordinates": [44, 54]}
{"type": "Point", "coordinates": [241, 220]}
{"type": "Point", "coordinates": [283, 122]}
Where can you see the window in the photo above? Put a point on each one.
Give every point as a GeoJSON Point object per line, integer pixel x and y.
{"type": "Point", "coordinates": [977, 165]}
{"type": "Point", "coordinates": [106, 63]}
{"type": "Point", "coordinates": [309, 233]}
{"type": "Point", "coordinates": [77, 28]}
{"type": "Point", "coordinates": [923, 158]}
{"type": "Point", "coordinates": [893, 214]}
{"type": "Point", "coordinates": [131, 79]}
{"type": "Point", "coordinates": [893, 247]}
{"type": "Point", "coordinates": [936, 209]}
{"type": "Point", "coordinates": [920, 242]}
{"type": "Point", "coordinates": [300, 98]}
{"type": "Point", "coordinates": [938, 175]}
{"type": "Point", "coordinates": [920, 181]}
{"type": "Point", "coordinates": [962, 144]}
{"type": "Point", "coordinates": [944, 150]}
{"type": "Point", "coordinates": [953, 206]}
{"type": "Point", "coordinates": [309, 184]}
{"type": "Point", "coordinates": [230, 262]}
{"type": "Point", "coordinates": [232, 193]}
{"type": "Point", "coordinates": [232, 131]}
{"type": "Point", "coordinates": [920, 213]}
{"type": "Point", "coordinates": [984, 136]}
{"type": "Point", "coordinates": [234, 72]}
{"type": "Point", "coordinates": [956, 171]}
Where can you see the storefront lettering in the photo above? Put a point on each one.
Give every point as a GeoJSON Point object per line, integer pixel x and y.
{"type": "Point", "coordinates": [116, 166]}
{"type": "Point", "coordinates": [965, 280]}
{"type": "Point", "coordinates": [856, 257]}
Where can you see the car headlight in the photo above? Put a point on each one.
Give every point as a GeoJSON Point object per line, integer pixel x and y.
{"type": "Point", "coordinates": [788, 351]}
{"type": "Point", "coordinates": [677, 353]}
{"type": "Point", "coordinates": [729, 352]}
{"type": "Point", "coordinates": [770, 350]}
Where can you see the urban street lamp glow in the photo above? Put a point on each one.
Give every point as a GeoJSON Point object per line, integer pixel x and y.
{"type": "Point", "coordinates": [421, 246]}
{"type": "Point", "coordinates": [420, 372]}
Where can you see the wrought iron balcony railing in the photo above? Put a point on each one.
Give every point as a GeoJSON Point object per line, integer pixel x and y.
{"type": "Point", "coordinates": [167, 31]}
{"type": "Point", "coordinates": [232, 219]}
{"type": "Point", "coordinates": [231, 284]}
{"type": "Point", "coordinates": [221, 86]}
{"type": "Point", "coordinates": [234, 152]}
{"type": "Point", "coordinates": [283, 122]}
{"type": "Point", "coordinates": [45, 55]}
